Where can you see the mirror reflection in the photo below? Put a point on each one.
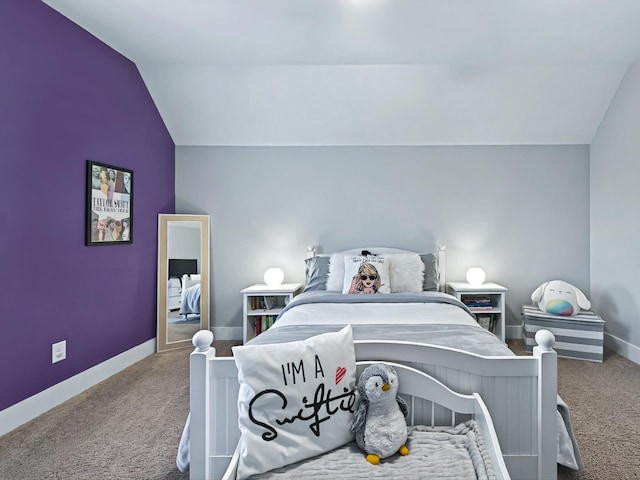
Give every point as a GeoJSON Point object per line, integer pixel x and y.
{"type": "Point", "coordinates": [182, 279]}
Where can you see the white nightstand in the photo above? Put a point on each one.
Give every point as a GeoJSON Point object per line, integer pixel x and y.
{"type": "Point", "coordinates": [174, 294]}
{"type": "Point", "coordinates": [490, 302]}
{"type": "Point", "coordinates": [258, 315]}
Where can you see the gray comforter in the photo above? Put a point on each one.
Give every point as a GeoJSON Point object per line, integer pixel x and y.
{"type": "Point", "coordinates": [475, 340]}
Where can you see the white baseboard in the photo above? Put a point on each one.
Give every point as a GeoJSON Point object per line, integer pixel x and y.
{"type": "Point", "coordinates": [28, 409]}
{"type": "Point", "coordinates": [512, 331]}
{"type": "Point", "coordinates": [626, 349]}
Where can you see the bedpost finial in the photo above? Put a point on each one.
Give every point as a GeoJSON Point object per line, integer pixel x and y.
{"type": "Point", "coordinates": [202, 340]}
{"type": "Point", "coordinates": [545, 339]}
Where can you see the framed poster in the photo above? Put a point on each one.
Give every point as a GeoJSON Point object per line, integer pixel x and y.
{"type": "Point", "coordinates": [109, 204]}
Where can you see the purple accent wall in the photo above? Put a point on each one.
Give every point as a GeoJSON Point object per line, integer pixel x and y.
{"type": "Point", "coordinates": [66, 97]}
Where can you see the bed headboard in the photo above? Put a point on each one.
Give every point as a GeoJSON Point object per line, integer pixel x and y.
{"type": "Point", "coordinates": [439, 254]}
{"type": "Point", "coordinates": [180, 266]}
{"type": "Point", "coordinates": [441, 267]}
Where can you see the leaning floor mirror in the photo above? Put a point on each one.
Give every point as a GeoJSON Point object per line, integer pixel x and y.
{"type": "Point", "coordinates": [183, 279]}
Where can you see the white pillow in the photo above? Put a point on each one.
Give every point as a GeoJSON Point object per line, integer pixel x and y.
{"type": "Point", "coordinates": [335, 278]}
{"type": "Point", "coordinates": [406, 272]}
{"type": "Point", "coordinates": [190, 280]}
{"type": "Point", "coordinates": [374, 268]}
{"type": "Point", "coordinates": [285, 381]}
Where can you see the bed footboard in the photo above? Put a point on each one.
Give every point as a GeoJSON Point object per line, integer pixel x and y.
{"type": "Point", "coordinates": [213, 403]}
{"type": "Point", "coordinates": [520, 394]}
{"type": "Point", "coordinates": [444, 408]}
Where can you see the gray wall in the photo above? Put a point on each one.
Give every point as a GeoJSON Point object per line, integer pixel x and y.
{"type": "Point", "coordinates": [183, 241]}
{"type": "Point", "coordinates": [521, 213]}
{"type": "Point", "coordinates": [615, 202]}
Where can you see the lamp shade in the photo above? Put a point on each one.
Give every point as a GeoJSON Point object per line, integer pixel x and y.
{"type": "Point", "coordinates": [273, 277]}
{"type": "Point", "coordinates": [475, 276]}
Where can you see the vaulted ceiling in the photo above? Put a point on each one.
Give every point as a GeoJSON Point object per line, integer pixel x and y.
{"type": "Point", "coordinates": [373, 72]}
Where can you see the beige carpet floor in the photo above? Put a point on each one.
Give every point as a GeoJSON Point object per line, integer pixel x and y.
{"type": "Point", "coordinates": [605, 413]}
{"type": "Point", "coordinates": [129, 426]}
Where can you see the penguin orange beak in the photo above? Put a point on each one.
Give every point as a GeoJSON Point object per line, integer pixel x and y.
{"type": "Point", "coordinates": [386, 387]}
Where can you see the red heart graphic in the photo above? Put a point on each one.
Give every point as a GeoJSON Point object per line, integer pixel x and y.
{"type": "Point", "coordinates": [340, 373]}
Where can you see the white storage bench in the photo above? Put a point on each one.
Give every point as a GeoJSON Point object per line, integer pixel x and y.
{"type": "Point", "coordinates": [578, 336]}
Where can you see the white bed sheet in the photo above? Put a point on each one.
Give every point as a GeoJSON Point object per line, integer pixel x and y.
{"type": "Point", "coordinates": [376, 314]}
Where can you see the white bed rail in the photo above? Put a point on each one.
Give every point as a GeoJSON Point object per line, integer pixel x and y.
{"type": "Point", "coordinates": [214, 404]}
{"type": "Point", "coordinates": [547, 404]}
{"type": "Point", "coordinates": [418, 387]}
{"type": "Point", "coordinates": [519, 392]}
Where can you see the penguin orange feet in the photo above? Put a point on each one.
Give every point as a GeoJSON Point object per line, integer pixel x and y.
{"type": "Point", "coordinates": [373, 459]}
{"type": "Point", "coordinates": [403, 450]}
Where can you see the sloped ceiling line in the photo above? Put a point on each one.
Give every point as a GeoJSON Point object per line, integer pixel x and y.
{"type": "Point", "coordinates": [375, 72]}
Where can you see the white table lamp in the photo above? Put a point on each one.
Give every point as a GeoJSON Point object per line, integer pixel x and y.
{"type": "Point", "coordinates": [273, 277]}
{"type": "Point", "coordinates": [475, 276]}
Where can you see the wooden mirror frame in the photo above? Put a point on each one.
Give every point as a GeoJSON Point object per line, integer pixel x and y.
{"type": "Point", "coordinates": [163, 275]}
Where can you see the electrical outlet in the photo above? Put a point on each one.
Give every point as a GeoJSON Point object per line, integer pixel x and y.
{"type": "Point", "coordinates": [58, 351]}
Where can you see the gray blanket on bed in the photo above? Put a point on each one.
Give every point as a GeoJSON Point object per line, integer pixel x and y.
{"type": "Point", "coordinates": [475, 340]}
{"type": "Point", "coordinates": [434, 452]}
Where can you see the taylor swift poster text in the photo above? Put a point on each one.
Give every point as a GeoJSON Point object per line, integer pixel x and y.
{"type": "Point", "coordinates": [109, 204]}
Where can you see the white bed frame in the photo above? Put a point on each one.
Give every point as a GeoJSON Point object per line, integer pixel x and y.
{"type": "Point", "coordinates": [519, 392]}
{"type": "Point", "coordinates": [429, 399]}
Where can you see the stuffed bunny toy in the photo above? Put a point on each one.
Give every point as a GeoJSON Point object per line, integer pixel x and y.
{"type": "Point", "coordinates": [560, 298]}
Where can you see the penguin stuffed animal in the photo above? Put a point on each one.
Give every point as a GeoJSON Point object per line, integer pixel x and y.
{"type": "Point", "coordinates": [379, 421]}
